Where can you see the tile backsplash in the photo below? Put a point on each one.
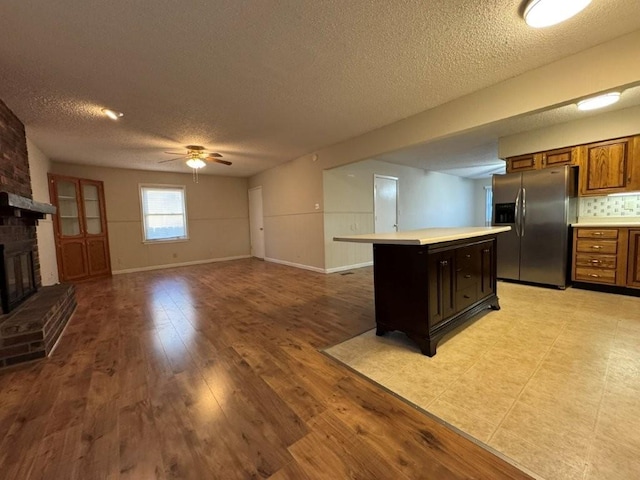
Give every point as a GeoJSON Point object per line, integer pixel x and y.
{"type": "Point", "coordinates": [627, 206]}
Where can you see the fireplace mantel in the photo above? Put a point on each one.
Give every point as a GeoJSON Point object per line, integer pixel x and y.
{"type": "Point", "coordinates": [12, 205]}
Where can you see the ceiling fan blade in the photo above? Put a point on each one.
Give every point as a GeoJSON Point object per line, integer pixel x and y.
{"type": "Point", "coordinates": [171, 159]}
{"type": "Point", "coordinates": [217, 160]}
{"type": "Point", "coordinates": [215, 154]}
{"type": "Point", "coordinates": [177, 153]}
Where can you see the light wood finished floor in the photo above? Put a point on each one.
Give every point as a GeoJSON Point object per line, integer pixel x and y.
{"type": "Point", "coordinates": [213, 372]}
{"type": "Point", "coordinates": [552, 380]}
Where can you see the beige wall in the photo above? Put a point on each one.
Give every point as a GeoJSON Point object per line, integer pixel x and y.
{"type": "Point", "coordinates": [618, 123]}
{"type": "Point", "coordinates": [294, 188]}
{"type": "Point", "coordinates": [425, 199]}
{"type": "Point", "coordinates": [217, 212]}
{"type": "Point", "coordinates": [39, 166]}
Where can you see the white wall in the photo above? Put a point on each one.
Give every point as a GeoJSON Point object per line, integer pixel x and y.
{"type": "Point", "coordinates": [39, 166]}
{"type": "Point", "coordinates": [425, 199]}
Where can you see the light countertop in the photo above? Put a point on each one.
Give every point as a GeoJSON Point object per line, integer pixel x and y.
{"type": "Point", "coordinates": [426, 236]}
{"type": "Point", "coordinates": [606, 223]}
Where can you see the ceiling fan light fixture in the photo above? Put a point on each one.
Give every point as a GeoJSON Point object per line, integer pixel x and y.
{"type": "Point", "coordinates": [195, 163]}
{"type": "Point", "coordinates": [600, 101]}
{"type": "Point", "coordinates": [544, 13]}
{"type": "Point", "coordinates": [112, 114]}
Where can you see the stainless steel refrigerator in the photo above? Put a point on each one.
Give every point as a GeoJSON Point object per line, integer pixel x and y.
{"type": "Point", "coordinates": [539, 206]}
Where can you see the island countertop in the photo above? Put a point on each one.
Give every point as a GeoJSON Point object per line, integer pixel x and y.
{"type": "Point", "coordinates": [425, 236]}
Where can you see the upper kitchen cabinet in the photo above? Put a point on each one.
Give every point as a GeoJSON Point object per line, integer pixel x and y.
{"type": "Point", "coordinates": [612, 166]}
{"type": "Point", "coordinates": [521, 163]}
{"type": "Point", "coordinates": [548, 159]}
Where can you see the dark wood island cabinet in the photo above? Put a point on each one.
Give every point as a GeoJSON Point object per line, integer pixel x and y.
{"type": "Point", "coordinates": [428, 282]}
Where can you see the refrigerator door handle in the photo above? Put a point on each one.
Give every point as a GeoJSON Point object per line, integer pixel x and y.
{"type": "Point", "coordinates": [523, 218]}
{"type": "Point", "coordinates": [517, 213]}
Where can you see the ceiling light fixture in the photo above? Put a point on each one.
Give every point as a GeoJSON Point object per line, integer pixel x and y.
{"type": "Point", "coordinates": [113, 115]}
{"type": "Point", "coordinates": [599, 102]}
{"type": "Point", "coordinates": [195, 163]}
{"type": "Point", "coordinates": [544, 13]}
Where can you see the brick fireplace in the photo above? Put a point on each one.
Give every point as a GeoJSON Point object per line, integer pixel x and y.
{"type": "Point", "coordinates": [31, 316]}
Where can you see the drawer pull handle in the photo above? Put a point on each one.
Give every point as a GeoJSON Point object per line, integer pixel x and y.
{"type": "Point", "coordinates": [467, 255]}
{"type": "Point", "coordinates": [486, 250]}
{"type": "Point", "coordinates": [467, 276]}
{"type": "Point", "coordinates": [594, 275]}
{"type": "Point", "coordinates": [466, 296]}
{"type": "Point", "coordinates": [598, 233]}
{"type": "Point", "coordinates": [595, 261]}
{"type": "Point", "coordinates": [444, 263]}
{"type": "Point", "coordinates": [597, 247]}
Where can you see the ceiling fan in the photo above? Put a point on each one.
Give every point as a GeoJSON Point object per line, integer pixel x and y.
{"type": "Point", "coordinates": [196, 157]}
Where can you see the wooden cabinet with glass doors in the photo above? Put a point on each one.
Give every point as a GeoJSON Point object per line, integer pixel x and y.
{"type": "Point", "coordinates": [80, 227]}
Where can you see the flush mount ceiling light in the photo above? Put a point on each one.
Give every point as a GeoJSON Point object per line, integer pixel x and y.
{"type": "Point", "coordinates": [112, 114]}
{"type": "Point", "coordinates": [599, 102]}
{"type": "Point", "coordinates": [544, 13]}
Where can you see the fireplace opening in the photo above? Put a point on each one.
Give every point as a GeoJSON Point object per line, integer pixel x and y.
{"type": "Point", "coordinates": [17, 274]}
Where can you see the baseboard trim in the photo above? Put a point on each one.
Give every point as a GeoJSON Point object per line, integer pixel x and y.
{"type": "Point", "coordinates": [181, 264]}
{"type": "Point", "coordinates": [295, 265]}
{"type": "Point", "coordinates": [349, 267]}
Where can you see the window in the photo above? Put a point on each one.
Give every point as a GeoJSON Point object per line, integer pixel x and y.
{"type": "Point", "coordinates": [488, 201]}
{"type": "Point", "coordinates": [164, 214]}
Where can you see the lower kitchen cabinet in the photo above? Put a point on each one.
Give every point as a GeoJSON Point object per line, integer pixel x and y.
{"type": "Point", "coordinates": [427, 290]}
{"type": "Point", "coordinates": [609, 256]}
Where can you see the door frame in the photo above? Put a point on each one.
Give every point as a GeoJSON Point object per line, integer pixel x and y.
{"type": "Point", "coordinates": [260, 241]}
{"type": "Point", "coordinates": [375, 199]}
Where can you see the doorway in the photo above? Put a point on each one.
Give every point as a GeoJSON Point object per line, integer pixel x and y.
{"type": "Point", "coordinates": [256, 222]}
{"type": "Point", "coordinates": [385, 203]}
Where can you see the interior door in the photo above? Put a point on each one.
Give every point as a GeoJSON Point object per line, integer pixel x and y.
{"type": "Point", "coordinates": [385, 204]}
{"type": "Point", "coordinates": [256, 222]}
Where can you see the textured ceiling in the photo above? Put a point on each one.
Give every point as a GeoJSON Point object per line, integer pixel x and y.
{"type": "Point", "coordinates": [262, 82]}
{"type": "Point", "coordinates": [474, 154]}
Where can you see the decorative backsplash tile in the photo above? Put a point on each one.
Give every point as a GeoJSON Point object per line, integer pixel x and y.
{"type": "Point", "coordinates": [628, 206]}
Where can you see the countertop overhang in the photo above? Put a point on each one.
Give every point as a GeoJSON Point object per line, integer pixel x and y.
{"type": "Point", "coordinates": [425, 236]}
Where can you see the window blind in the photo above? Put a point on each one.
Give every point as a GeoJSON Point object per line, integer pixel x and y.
{"type": "Point", "coordinates": [164, 213]}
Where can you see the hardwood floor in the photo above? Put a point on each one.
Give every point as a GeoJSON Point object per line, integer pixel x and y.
{"type": "Point", "coordinates": [214, 372]}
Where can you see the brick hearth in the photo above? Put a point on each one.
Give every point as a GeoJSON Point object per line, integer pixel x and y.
{"type": "Point", "coordinates": [32, 329]}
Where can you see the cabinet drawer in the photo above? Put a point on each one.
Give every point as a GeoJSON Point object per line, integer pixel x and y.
{"type": "Point", "coordinates": [595, 260]}
{"type": "Point", "coordinates": [596, 246]}
{"type": "Point", "coordinates": [600, 275]}
{"type": "Point", "coordinates": [466, 297]}
{"type": "Point", "coordinates": [599, 233]}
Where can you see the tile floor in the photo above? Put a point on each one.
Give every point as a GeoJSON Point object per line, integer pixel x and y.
{"type": "Point", "coordinates": [551, 381]}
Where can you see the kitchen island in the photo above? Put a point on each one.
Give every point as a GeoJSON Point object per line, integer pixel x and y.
{"type": "Point", "coordinates": [427, 282]}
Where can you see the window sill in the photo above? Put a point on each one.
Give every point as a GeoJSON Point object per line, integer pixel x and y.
{"type": "Point", "coordinates": [167, 240]}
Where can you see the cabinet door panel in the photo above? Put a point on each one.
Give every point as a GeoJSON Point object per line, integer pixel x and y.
{"type": "Point", "coordinates": [441, 286]}
{"type": "Point", "coordinates": [557, 158]}
{"type": "Point", "coordinates": [98, 256]}
{"type": "Point", "coordinates": [633, 268]}
{"type": "Point", "coordinates": [487, 284]}
{"type": "Point", "coordinates": [606, 167]}
{"type": "Point", "coordinates": [74, 259]}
